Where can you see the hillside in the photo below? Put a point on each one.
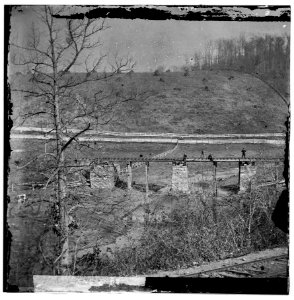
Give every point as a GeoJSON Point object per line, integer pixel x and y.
{"type": "Point", "coordinates": [202, 102]}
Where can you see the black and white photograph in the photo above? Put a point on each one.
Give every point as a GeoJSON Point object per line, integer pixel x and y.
{"type": "Point", "coordinates": [146, 148]}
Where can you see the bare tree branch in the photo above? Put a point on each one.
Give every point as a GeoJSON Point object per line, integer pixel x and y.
{"type": "Point", "coordinates": [34, 159]}
{"type": "Point", "coordinates": [74, 137]}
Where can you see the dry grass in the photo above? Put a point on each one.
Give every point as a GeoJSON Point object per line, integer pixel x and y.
{"type": "Point", "coordinates": [193, 233]}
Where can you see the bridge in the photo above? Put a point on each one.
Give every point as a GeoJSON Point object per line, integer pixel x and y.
{"type": "Point", "coordinates": [180, 179]}
{"type": "Point", "coordinates": [191, 160]}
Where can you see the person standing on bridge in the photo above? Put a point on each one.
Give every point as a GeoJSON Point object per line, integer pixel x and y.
{"type": "Point", "coordinates": [243, 153]}
{"type": "Point", "coordinates": [185, 159]}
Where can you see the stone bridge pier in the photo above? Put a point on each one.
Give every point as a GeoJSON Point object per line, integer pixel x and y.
{"type": "Point", "coordinates": [103, 176]}
{"type": "Point", "coordinates": [180, 181]}
{"type": "Point", "coordinates": [247, 176]}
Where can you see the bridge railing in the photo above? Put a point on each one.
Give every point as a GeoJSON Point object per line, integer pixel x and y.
{"type": "Point", "coordinates": [196, 159]}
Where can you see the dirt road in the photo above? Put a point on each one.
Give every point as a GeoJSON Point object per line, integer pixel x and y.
{"type": "Point", "coordinates": [139, 137]}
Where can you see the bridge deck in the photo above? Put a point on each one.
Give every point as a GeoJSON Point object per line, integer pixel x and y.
{"type": "Point", "coordinates": [217, 159]}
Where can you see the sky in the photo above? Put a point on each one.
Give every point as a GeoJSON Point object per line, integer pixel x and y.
{"type": "Point", "coordinates": [151, 44]}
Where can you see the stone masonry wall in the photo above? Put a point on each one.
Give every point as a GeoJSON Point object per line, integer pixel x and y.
{"type": "Point", "coordinates": [102, 176]}
{"type": "Point", "coordinates": [180, 178]}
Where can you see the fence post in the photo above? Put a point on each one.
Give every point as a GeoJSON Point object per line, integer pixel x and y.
{"type": "Point", "coordinates": [146, 175]}
{"type": "Point", "coordinates": [146, 217]}
{"type": "Point", "coordinates": [214, 178]}
{"type": "Point", "coordinates": [239, 175]}
{"type": "Point", "coordinates": [214, 192]}
{"type": "Point", "coordinates": [276, 177]}
{"type": "Point", "coordinates": [130, 177]}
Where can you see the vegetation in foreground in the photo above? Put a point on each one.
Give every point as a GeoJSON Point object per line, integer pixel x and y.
{"type": "Point", "coordinates": [185, 230]}
{"type": "Point", "coordinates": [194, 233]}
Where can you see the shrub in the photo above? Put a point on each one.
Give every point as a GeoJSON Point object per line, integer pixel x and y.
{"type": "Point", "coordinates": [186, 72]}
{"type": "Point", "coordinates": [192, 232]}
{"type": "Point", "coordinates": [156, 73]}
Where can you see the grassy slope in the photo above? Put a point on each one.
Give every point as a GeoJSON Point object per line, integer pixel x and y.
{"type": "Point", "coordinates": [203, 102]}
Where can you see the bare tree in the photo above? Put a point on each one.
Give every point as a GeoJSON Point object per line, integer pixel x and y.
{"type": "Point", "coordinates": [51, 55]}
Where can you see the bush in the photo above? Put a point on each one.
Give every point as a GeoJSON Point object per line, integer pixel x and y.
{"type": "Point", "coordinates": [158, 71]}
{"type": "Point", "coordinates": [193, 233]}
{"type": "Point", "coordinates": [186, 72]}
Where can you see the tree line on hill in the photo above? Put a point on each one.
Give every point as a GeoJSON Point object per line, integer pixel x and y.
{"type": "Point", "coordinates": [263, 54]}
{"type": "Point", "coordinates": [266, 56]}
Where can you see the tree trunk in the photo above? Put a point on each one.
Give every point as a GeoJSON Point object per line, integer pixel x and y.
{"type": "Point", "coordinates": [65, 259]}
